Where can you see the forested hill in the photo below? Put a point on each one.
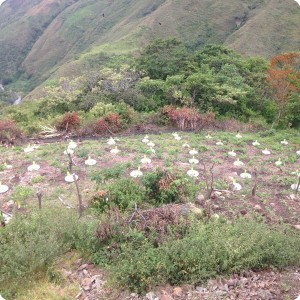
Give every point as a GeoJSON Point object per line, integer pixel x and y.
{"type": "Point", "coordinates": [40, 38]}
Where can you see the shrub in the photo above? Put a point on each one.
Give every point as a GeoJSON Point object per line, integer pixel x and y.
{"type": "Point", "coordinates": [208, 250]}
{"type": "Point", "coordinates": [108, 124]}
{"type": "Point", "coordinates": [99, 200]}
{"type": "Point", "coordinates": [21, 194]}
{"type": "Point", "coordinates": [156, 224]}
{"type": "Point", "coordinates": [30, 243]}
{"type": "Point", "coordinates": [68, 122]}
{"type": "Point", "coordinates": [163, 187]}
{"type": "Point", "coordinates": [123, 194]}
{"type": "Point", "coordinates": [101, 109]}
{"type": "Point", "coordinates": [114, 121]}
{"type": "Point", "coordinates": [9, 133]}
{"type": "Point", "coordinates": [186, 118]}
{"type": "Point", "coordinates": [114, 172]}
{"type": "Point", "coordinates": [101, 126]}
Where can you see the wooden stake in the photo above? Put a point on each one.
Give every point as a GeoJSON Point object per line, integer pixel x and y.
{"type": "Point", "coordinates": [255, 184]}
{"type": "Point", "coordinates": [39, 196]}
{"type": "Point", "coordinates": [298, 185]}
{"type": "Point", "coordinates": [79, 196]}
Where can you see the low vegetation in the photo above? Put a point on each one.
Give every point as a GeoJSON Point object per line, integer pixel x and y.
{"type": "Point", "coordinates": [164, 227]}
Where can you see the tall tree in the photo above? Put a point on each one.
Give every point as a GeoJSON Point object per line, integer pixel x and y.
{"type": "Point", "coordinates": [163, 58]}
{"type": "Point", "coordinates": [284, 80]}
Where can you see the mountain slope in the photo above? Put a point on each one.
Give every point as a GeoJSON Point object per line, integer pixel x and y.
{"type": "Point", "coordinates": [42, 38]}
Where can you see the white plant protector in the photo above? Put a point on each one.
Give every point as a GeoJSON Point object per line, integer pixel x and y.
{"type": "Point", "coordinates": [90, 161]}
{"type": "Point", "coordinates": [3, 188]}
{"type": "Point", "coordinates": [33, 167]}
{"type": "Point", "coordinates": [70, 178]}
{"type": "Point", "coordinates": [136, 173]}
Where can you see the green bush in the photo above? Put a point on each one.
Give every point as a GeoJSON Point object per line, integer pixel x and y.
{"type": "Point", "coordinates": [207, 250]}
{"type": "Point", "coordinates": [114, 172]}
{"type": "Point", "coordinates": [21, 194]}
{"type": "Point", "coordinates": [30, 243]}
{"type": "Point", "coordinates": [123, 194]}
{"type": "Point", "coordinates": [163, 187]}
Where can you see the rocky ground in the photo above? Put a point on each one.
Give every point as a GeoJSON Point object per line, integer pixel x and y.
{"type": "Point", "coordinates": [262, 285]}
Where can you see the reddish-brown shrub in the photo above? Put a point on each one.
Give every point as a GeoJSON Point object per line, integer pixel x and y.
{"type": "Point", "coordinates": [69, 121]}
{"type": "Point", "coordinates": [9, 133]}
{"type": "Point", "coordinates": [101, 126]}
{"type": "Point", "coordinates": [207, 120]}
{"type": "Point", "coordinates": [108, 124]}
{"type": "Point", "coordinates": [114, 121]}
{"type": "Point", "coordinates": [184, 118]}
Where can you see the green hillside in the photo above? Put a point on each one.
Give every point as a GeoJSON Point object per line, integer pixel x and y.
{"type": "Point", "coordinates": [44, 38]}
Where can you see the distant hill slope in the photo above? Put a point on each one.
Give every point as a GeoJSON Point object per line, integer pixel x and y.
{"type": "Point", "coordinates": [42, 38]}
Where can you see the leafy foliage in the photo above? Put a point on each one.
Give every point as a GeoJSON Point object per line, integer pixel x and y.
{"type": "Point", "coordinates": [30, 244]}
{"type": "Point", "coordinates": [163, 58]}
{"type": "Point", "coordinates": [284, 80]}
{"type": "Point", "coordinates": [206, 251]}
{"type": "Point", "coordinates": [163, 187]}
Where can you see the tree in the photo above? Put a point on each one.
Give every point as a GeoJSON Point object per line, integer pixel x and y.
{"type": "Point", "coordinates": [162, 58]}
{"type": "Point", "coordinates": [284, 80]}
